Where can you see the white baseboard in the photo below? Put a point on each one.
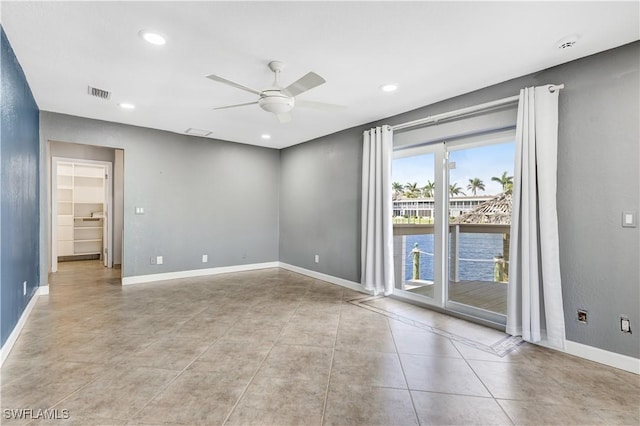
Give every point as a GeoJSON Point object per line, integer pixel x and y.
{"type": "Point", "coordinates": [139, 279]}
{"type": "Point", "coordinates": [324, 277]}
{"type": "Point", "coordinates": [43, 290]}
{"type": "Point", "coordinates": [8, 344]}
{"type": "Point", "coordinates": [612, 359]}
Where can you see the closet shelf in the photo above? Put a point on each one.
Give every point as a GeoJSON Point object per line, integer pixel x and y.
{"type": "Point", "coordinates": [81, 199]}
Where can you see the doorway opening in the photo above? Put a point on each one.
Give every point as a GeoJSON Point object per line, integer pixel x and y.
{"type": "Point", "coordinates": [81, 211]}
{"type": "Point", "coordinates": [86, 215]}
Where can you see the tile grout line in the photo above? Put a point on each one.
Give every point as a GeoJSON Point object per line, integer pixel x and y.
{"type": "Point", "coordinates": [103, 372]}
{"type": "Point", "coordinates": [404, 374]}
{"type": "Point", "coordinates": [333, 354]}
{"type": "Point", "coordinates": [157, 394]}
{"type": "Point", "coordinates": [104, 368]}
{"type": "Point", "coordinates": [485, 386]}
{"type": "Point", "coordinates": [69, 395]}
{"type": "Point", "coordinates": [170, 382]}
{"type": "Point", "coordinates": [244, 391]}
{"type": "Point", "coordinates": [509, 343]}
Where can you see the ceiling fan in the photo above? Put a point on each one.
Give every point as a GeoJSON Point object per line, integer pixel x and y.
{"type": "Point", "coordinates": [281, 100]}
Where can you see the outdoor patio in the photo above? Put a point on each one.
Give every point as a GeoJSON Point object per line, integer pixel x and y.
{"type": "Point", "coordinates": [487, 295]}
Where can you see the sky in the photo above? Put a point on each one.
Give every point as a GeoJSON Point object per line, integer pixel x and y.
{"type": "Point", "coordinates": [482, 162]}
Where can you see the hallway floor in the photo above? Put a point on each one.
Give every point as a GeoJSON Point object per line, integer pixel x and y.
{"type": "Point", "coordinates": [272, 347]}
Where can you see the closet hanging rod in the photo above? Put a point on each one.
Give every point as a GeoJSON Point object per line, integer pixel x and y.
{"type": "Point", "coordinates": [460, 112]}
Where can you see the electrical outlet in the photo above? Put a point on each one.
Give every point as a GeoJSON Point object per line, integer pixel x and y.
{"type": "Point", "coordinates": [317, 258]}
{"type": "Point", "coordinates": [152, 260]}
{"type": "Point", "coordinates": [625, 325]}
{"type": "Point", "coordinates": [159, 260]}
{"type": "Point", "coordinates": [24, 288]}
{"type": "Point", "coordinates": [205, 258]}
{"type": "Point", "coordinates": [629, 219]}
{"type": "Point", "coordinates": [582, 316]}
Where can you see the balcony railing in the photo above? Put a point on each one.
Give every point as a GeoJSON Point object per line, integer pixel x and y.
{"type": "Point", "coordinates": [424, 226]}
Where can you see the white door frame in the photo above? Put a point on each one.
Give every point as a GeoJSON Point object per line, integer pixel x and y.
{"type": "Point", "coordinates": [54, 207]}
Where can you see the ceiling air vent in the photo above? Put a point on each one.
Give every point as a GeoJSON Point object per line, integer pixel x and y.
{"type": "Point", "coordinates": [99, 93]}
{"type": "Point", "coordinates": [567, 42]}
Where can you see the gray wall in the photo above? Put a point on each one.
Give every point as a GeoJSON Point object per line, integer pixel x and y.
{"type": "Point", "coordinates": [19, 199]}
{"type": "Point", "coordinates": [200, 196]}
{"type": "Point", "coordinates": [598, 178]}
{"type": "Point", "coordinates": [82, 152]}
{"type": "Point", "coordinates": [320, 204]}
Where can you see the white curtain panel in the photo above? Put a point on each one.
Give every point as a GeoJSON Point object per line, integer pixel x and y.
{"type": "Point", "coordinates": [377, 211]}
{"type": "Point", "coordinates": [534, 306]}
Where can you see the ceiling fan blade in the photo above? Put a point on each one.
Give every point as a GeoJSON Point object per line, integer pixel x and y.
{"type": "Point", "coordinates": [233, 83]}
{"type": "Point", "coordinates": [235, 106]}
{"type": "Point", "coordinates": [319, 105]}
{"type": "Point", "coordinates": [305, 83]}
{"type": "Point", "coordinates": [284, 117]}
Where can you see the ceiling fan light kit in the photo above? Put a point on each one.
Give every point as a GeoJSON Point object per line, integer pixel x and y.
{"type": "Point", "coordinates": [276, 102]}
{"type": "Point", "coordinates": [277, 99]}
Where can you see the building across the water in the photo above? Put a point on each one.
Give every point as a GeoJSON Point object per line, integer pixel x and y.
{"type": "Point", "coordinates": [424, 207]}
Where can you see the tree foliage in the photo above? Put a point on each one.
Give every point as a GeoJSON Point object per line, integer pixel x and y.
{"type": "Point", "coordinates": [506, 181]}
{"type": "Point", "coordinates": [475, 184]}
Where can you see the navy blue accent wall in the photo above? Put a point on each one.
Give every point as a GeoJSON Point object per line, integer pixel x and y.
{"type": "Point", "coordinates": [19, 213]}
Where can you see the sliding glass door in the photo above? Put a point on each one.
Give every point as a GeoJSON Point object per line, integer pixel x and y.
{"type": "Point", "coordinates": [452, 210]}
{"type": "Point", "coordinates": [415, 222]}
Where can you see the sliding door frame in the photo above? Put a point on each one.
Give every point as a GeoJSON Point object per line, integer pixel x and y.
{"type": "Point", "coordinates": [440, 300]}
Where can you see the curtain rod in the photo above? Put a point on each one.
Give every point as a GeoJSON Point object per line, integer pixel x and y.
{"type": "Point", "coordinates": [476, 108]}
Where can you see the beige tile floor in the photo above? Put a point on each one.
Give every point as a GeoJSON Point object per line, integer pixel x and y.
{"type": "Point", "coordinates": [272, 347]}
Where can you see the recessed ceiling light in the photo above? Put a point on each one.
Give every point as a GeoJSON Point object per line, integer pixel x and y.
{"type": "Point", "coordinates": [389, 87]}
{"type": "Point", "coordinates": [153, 38]}
{"type": "Point", "coordinates": [567, 42]}
{"type": "Point", "coordinates": [265, 136]}
{"type": "Point", "coordinates": [125, 105]}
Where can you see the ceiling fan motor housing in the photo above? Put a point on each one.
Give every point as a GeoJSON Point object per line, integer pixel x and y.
{"type": "Point", "coordinates": [276, 102]}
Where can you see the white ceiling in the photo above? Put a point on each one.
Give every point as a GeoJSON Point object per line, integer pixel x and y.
{"type": "Point", "coordinates": [432, 50]}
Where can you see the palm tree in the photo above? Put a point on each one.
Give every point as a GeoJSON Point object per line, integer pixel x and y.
{"type": "Point", "coordinates": [509, 188]}
{"type": "Point", "coordinates": [427, 190]}
{"type": "Point", "coordinates": [504, 180]}
{"type": "Point", "coordinates": [397, 189]}
{"type": "Point", "coordinates": [411, 190]}
{"type": "Point", "coordinates": [475, 184]}
{"type": "Point", "coordinates": [454, 189]}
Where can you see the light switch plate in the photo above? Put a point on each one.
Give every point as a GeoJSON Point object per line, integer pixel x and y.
{"type": "Point", "coordinates": [139, 210]}
{"type": "Point", "coordinates": [629, 219]}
